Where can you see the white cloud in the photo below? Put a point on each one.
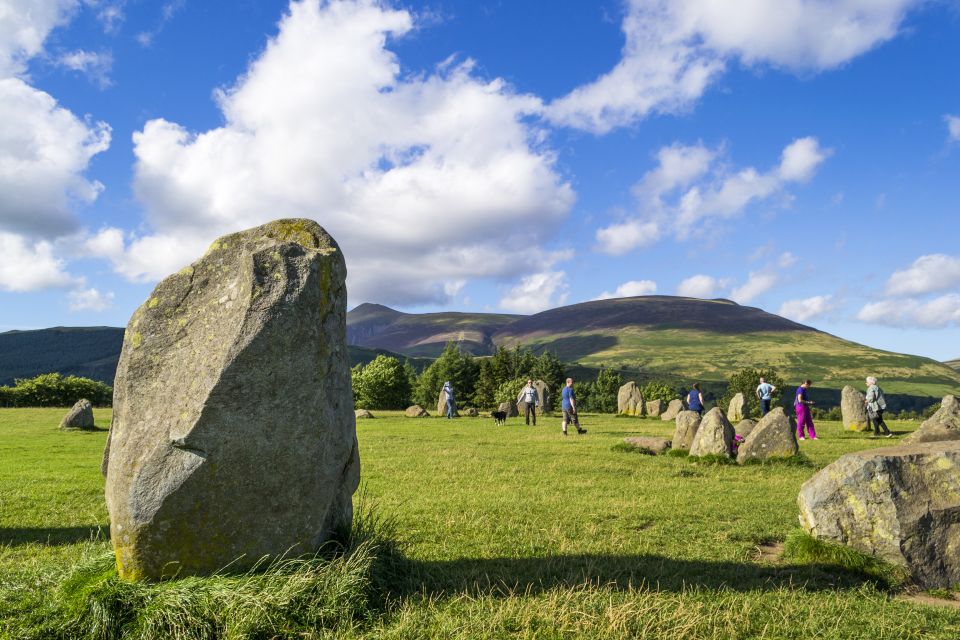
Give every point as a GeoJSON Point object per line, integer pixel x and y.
{"type": "Point", "coordinates": [692, 186]}
{"type": "Point", "coordinates": [953, 127]}
{"type": "Point", "coordinates": [756, 285]}
{"type": "Point", "coordinates": [95, 65]}
{"type": "Point", "coordinates": [24, 26]}
{"type": "Point", "coordinates": [26, 266]}
{"type": "Point", "coordinates": [700, 286]}
{"type": "Point", "coordinates": [90, 300]}
{"type": "Point", "coordinates": [807, 308]}
{"type": "Point", "coordinates": [940, 312]}
{"type": "Point", "coordinates": [927, 274]}
{"type": "Point", "coordinates": [423, 180]}
{"type": "Point", "coordinates": [536, 292]}
{"type": "Point", "coordinates": [674, 49]}
{"type": "Point", "coordinates": [630, 289]}
{"type": "Point", "coordinates": [786, 260]}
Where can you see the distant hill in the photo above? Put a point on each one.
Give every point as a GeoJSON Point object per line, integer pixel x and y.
{"type": "Point", "coordinates": [953, 364]}
{"type": "Point", "coordinates": [423, 334]}
{"type": "Point", "coordinates": [91, 352]}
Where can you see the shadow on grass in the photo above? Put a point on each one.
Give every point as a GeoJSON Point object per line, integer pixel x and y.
{"type": "Point", "coordinates": [535, 575]}
{"type": "Point", "coordinates": [52, 536]}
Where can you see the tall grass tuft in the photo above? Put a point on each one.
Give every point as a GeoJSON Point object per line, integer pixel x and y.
{"type": "Point", "coordinates": [801, 547]}
{"type": "Point", "coordinates": [335, 591]}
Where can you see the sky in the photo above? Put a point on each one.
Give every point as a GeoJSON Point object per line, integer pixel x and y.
{"type": "Point", "coordinates": [801, 156]}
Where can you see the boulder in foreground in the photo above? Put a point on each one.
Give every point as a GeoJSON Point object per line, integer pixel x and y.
{"type": "Point", "coordinates": [901, 504]}
{"type": "Point", "coordinates": [233, 434]}
{"type": "Point", "coordinates": [416, 411]}
{"type": "Point", "coordinates": [714, 437]}
{"type": "Point", "coordinates": [80, 416]}
{"type": "Point", "coordinates": [942, 426]}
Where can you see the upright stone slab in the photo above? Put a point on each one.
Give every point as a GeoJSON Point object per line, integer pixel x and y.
{"type": "Point", "coordinates": [630, 400]}
{"type": "Point", "coordinates": [675, 407]}
{"type": "Point", "coordinates": [688, 422]}
{"type": "Point", "coordinates": [543, 390]}
{"type": "Point", "coordinates": [509, 408]}
{"type": "Point", "coordinates": [80, 416]}
{"type": "Point", "coordinates": [941, 426]}
{"type": "Point", "coordinates": [654, 408]}
{"type": "Point", "coordinates": [738, 409]}
{"type": "Point", "coordinates": [714, 437]}
{"type": "Point", "coordinates": [901, 504]}
{"type": "Point", "coordinates": [233, 432]}
{"type": "Point", "coordinates": [773, 437]}
{"type": "Point", "coordinates": [442, 405]}
{"type": "Point", "coordinates": [744, 427]}
{"type": "Point", "coordinates": [853, 409]}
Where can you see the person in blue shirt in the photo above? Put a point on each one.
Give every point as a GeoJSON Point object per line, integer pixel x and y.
{"type": "Point", "coordinates": [765, 393]}
{"type": "Point", "coordinates": [695, 399]}
{"type": "Point", "coordinates": [569, 406]}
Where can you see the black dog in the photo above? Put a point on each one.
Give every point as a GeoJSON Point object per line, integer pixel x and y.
{"type": "Point", "coordinates": [498, 416]}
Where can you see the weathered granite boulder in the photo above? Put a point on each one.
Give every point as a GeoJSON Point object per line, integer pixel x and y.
{"type": "Point", "coordinates": [543, 390]}
{"type": "Point", "coordinates": [901, 504]}
{"type": "Point", "coordinates": [509, 408]}
{"type": "Point", "coordinates": [744, 427]}
{"type": "Point", "coordinates": [362, 414]}
{"type": "Point", "coordinates": [630, 400]}
{"type": "Point", "coordinates": [654, 408]}
{"type": "Point", "coordinates": [653, 445]}
{"type": "Point", "coordinates": [715, 435]}
{"type": "Point", "coordinates": [688, 422]}
{"type": "Point", "coordinates": [738, 409]}
{"type": "Point", "coordinates": [470, 412]}
{"type": "Point", "coordinates": [233, 434]}
{"type": "Point", "coordinates": [773, 437]}
{"type": "Point", "coordinates": [853, 410]}
{"type": "Point", "coordinates": [416, 411]}
{"type": "Point", "coordinates": [941, 426]}
{"type": "Point", "coordinates": [675, 407]}
{"type": "Point", "coordinates": [80, 416]}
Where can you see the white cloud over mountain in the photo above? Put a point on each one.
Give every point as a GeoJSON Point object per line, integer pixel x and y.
{"type": "Point", "coordinates": [908, 296]}
{"type": "Point", "coordinates": [806, 309]}
{"type": "Point", "coordinates": [675, 49]}
{"type": "Point", "coordinates": [701, 286]}
{"type": "Point", "coordinates": [424, 180]}
{"type": "Point", "coordinates": [927, 274]}
{"type": "Point", "coordinates": [537, 292]}
{"type": "Point", "coordinates": [630, 289]}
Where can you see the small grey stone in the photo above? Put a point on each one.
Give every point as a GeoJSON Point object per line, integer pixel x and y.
{"type": "Point", "coordinates": [654, 408]}
{"type": "Point", "coordinates": [362, 414]}
{"type": "Point", "coordinates": [80, 416]}
{"type": "Point", "coordinates": [651, 444]}
{"type": "Point", "coordinates": [675, 407]}
{"type": "Point", "coordinates": [416, 411]}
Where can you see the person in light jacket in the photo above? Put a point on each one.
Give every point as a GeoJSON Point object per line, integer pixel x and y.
{"type": "Point", "coordinates": [451, 405]}
{"type": "Point", "coordinates": [531, 400]}
{"type": "Point", "coordinates": [876, 405]}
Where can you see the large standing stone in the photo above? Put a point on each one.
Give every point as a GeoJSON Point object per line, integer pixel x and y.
{"type": "Point", "coordinates": [509, 408]}
{"type": "Point", "coordinates": [773, 437]}
{"type": "Point", "coordinates": [744, 427]}
{"type": "Point", "coordinates": [233, 434]}
{"type": "Point", "coordinates": [715, 435]}
{"type": "Point", "coordinates": [442, 405]}
{"type": "Point", "coordinates": [80, 416]}
{"type": "Point", "coordinates": [654, 408]}
{"type": "Point", "coordinates": [630, 400]}
{"type": "Point", "coordinates": [416, 411]}
{"type": "Point", "coordinates": [738, 409]}
{"type": "Point", "coordinates": [901, 504]}
{"type": "Point", "coordinates": [853, 409]}
{"type": "Point", "coordinates": [675, 407]}
{"type": "Point", "coordinates": [688, 422]}
{"type": "Point", "coordinates": [941, 426]}
{"type": "Point", "coordinates": [543, 390]}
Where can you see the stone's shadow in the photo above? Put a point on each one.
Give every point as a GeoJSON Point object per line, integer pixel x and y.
{"type": "Point", "coordinates": [619, 572]}
{"type": "Point", "coordinates": [52, 536]}
{"type": "Point", "coordinates": [93, 429]}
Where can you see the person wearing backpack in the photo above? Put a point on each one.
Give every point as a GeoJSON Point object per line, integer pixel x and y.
{"type": "Point", "coordinates": [876, 405]}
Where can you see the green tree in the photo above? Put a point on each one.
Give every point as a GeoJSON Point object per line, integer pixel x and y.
{"type": "Point", "coordinates": [383, 383]}
{"type": "Point", "coordinates": [745, 381]}
{"type": "Point", "coordinates": [657, 390]}
{"type": "Point", "coordinates": [55, 390]}
{"type": "Point", "coordinates": [508, 391]}
{"type": "Point", "coordinates": [583, 394]}
{"type": "Point", "coordinates": [550, 369]}
{"type": "Point", "coordinates": [605, 390]}
{"type": "Point", "coordinates": [459, 368]}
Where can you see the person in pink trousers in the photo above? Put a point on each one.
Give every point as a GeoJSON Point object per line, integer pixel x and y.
{"type": "Point", "coordinates": [802, 404]}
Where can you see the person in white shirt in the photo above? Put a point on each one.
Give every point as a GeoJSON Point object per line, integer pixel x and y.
{"type": "Point", "coordinates": [765, 393]}
{"type": "Point", "coordinates": [531, 399]}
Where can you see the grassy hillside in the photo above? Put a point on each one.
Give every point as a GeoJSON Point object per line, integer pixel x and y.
{"type": "Point", "coordinates": [953, 364]}
{"type": "Point", "coordinates": [506, 532]}
{"type": "Point", "coordinates": [92, 352]}
{"type": "Point", "coordinates": [423, 334]}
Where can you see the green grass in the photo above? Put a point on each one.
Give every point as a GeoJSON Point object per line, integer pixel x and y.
{"type": "Point", "coordinates": [505, 532]}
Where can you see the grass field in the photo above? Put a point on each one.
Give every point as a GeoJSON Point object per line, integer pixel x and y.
{"type": "Point", "coordinates": [513, 532]}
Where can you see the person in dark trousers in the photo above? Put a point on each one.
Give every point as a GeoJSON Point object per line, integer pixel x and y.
{"type": "Point", "coordinates": [451, 404]}
{"type": "Point", "coordinates": [765, 393]}
{"type": "Point", "coordinates": [531, 400]}
{"type": "Point", "coordinates": [876, 405]}
{"type": "Point", "coordinates": [569, 406]}
{"type": "Point", "coordinates": [695, 399]}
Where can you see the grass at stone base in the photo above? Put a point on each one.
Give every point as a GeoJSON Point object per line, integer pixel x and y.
{"type": "Point", "coordinates": [512, 531]}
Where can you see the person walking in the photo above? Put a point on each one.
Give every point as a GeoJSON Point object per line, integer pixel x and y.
{"type": "Point", "coordinates": [451, 403]}
{"type": "Point", "coordinates": [765, 393]}
{"type": "Point", "coordinates": [569, 406]}
{"type": "Point", "coordinates": [876, 405]}
{"type": "Point", "coordinates": [802, 404]}
{"type": "Point", "coordinates": [531, 400]}
{"type": "Point", "coordinates": [695, 399]}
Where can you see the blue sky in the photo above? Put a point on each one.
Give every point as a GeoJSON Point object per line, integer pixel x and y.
{"type": "Point", "coordinates": [799, 155]}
